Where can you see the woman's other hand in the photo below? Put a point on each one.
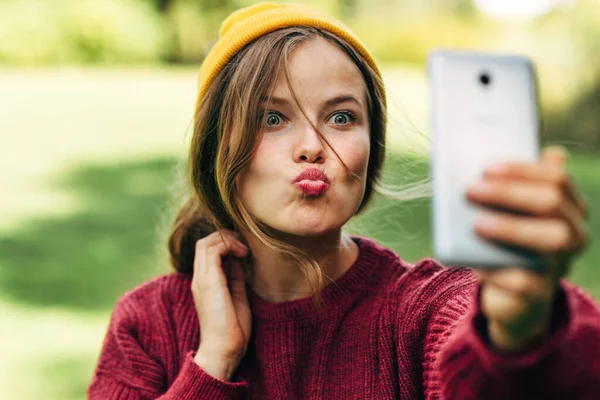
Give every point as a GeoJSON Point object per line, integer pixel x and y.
{"type": "Point", "coordinates": [546, 215]}
{"type": "Point", "coordinates": [219, 291]}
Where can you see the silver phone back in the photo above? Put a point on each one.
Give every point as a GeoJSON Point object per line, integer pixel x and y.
{"type": "Point", "coordinates": [474, 125]}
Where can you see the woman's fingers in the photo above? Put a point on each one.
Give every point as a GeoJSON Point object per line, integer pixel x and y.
{"type": "Point", "coordinates": [519, 196]}
{"type": "Point", "coordinates": [531, 198]}
{"type": "Point", "coordinates": [208, 264]}
{"type": "Point", "coordinates": [220, 244]}
{"type": "Point", "coordinates": [537, 208]}
{"type": "Point", "coordinates": [218, 279]}
{"type": "Point", "coordinates": [545, 236]}
{"type": "Point", "coordinates": [541, 190]}
{"type": "Point", "coordinates": [222, 307]}
{"type": "Point", "coordinates": [550, 171]}
{"type": "Point", "coordinates": [577, 223]}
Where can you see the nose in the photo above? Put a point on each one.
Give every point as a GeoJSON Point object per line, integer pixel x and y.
{"type": "Point", "coordinates": [310, 146]}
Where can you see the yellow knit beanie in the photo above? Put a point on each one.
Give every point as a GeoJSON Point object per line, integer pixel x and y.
{"type": "Point", "coordinates": [247, 24]}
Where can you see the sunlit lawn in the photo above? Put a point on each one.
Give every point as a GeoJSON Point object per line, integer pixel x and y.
{"type": "Point", "coordinates": [87, 161]}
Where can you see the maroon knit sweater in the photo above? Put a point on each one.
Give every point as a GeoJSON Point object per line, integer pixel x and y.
{"type": "Point", "coordinates": [386, 330]}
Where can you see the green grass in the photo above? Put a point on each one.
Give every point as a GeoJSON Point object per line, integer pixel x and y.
{"type": "Point", "coordinates": [88, 161]}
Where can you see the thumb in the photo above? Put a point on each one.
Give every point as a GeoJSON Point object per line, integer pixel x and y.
{"type": "Point", "coordinates": [555, 155]}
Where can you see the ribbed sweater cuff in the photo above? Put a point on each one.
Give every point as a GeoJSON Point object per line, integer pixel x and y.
{"type": "Point", "coordinates": [498, 362]}
{"type": "Point", "coordinates": [194, 383]}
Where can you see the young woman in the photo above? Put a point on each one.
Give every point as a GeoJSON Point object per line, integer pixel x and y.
{"type": "Point", "coordinates": [272, 300]}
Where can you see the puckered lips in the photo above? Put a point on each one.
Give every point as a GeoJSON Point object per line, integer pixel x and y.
{"type": "Point", "coordinates": [312, 182]}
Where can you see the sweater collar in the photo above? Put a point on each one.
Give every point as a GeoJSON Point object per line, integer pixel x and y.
{"type": "Point", "coordinates": [342, 291]}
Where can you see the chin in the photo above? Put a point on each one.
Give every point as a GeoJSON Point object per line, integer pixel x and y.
{"type": "Point", "coordinates": [308, 224]}
{"type": "Point", "coordinates": [306, 229]}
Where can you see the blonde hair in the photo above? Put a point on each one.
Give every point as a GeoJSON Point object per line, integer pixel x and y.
{"type": "Point", "coordinates": [226, 131]}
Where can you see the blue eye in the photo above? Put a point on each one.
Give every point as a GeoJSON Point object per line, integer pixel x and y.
{"type": "Point", "coordinates": [342, 118]}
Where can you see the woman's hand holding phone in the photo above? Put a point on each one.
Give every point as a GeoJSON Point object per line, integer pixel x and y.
{"type": "Point", "coordinates": [219, 290]}
{"type": "Point", "coordinates": [545, 214]}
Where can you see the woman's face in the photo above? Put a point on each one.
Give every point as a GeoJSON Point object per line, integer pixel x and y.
{"type": "Point", "coordinates": [332, 93]}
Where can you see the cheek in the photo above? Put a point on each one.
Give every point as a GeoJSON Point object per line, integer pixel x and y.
{"type": "Point", "coordinates": [260, 170]}
{"type": "Point", "coordinates": [263, 161]}
{"type": "Point", "coordinates": [356, 156]}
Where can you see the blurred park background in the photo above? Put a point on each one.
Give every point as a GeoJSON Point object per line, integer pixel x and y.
{"type": "Point", "coordinates": [96, 100]}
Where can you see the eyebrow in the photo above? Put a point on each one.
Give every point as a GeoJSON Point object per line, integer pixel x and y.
{"type": "Point", "coordinates": [328, 103]}
{"type": "Point", "coordinates": [342, 99]}
{"type": "Point", "coordinates": [274, 100]}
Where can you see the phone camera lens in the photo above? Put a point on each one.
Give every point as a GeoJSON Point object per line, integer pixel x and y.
{"type": "Point", "coordinates": [485, 79]}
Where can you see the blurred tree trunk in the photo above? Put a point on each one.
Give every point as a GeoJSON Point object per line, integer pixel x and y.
{"type": "Point", "coordinates": [163, 5]}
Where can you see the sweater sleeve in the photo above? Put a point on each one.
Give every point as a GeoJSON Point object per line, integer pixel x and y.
{"type": "Point", "coordinates": [566, 365]}
{"type": "Point", "coordinates": [127, 370]}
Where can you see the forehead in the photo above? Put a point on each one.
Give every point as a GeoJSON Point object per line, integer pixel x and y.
{"type": "Point", "coordinates": [317, 68]}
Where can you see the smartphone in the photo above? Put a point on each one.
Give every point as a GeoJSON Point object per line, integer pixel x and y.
{"type": "Point", "coordinates": [484, 110]}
